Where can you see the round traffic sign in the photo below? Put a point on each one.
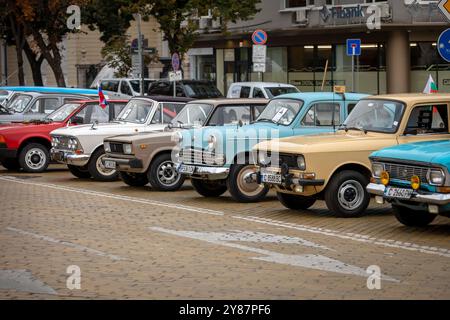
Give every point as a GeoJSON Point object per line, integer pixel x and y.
{"type": "Point", "coordinates": [175, 62]}
{"type": "Point", "coordinates": [443, 45]}
{"type": "Point", "coordinates": [259, 37]}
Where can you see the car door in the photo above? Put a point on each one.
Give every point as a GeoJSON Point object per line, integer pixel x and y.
{"type": "Point", "coordinates": [426, 122]}
{"type": "Point", "coordinates": [320, 117]}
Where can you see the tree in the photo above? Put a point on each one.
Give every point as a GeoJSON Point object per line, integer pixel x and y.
{"type": "Point", "coordinates": [178, 19]}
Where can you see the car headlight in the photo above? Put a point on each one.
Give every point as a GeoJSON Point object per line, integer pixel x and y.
{"type": "Point", "coordinates": [301, 163]}
{"type": "Point", "coordinates": [127, 148]}
{"type": "Point", "coordinates": [377, 169]}
{"type": "Point", "coordinates": [72, 144]}
{"type": "Point", "coordinates": [436, 177]}
{"type": "Point", "coordinates": [263, 158]}
{"type": "Point", "coordinates": [177, 137]}
{"type": "Point", "coordinates": [212, 142]}
{"type": "Point", "coordinates": [107, 146]}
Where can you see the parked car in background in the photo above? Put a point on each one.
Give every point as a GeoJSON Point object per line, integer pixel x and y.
{"type": "Point", "coordinates": [415, 179]}
{"type": "Point", "coordinates": [336, 167]}
{"type": "Point", "coordinates": [195, 89]}
{"type": "Point", "coordinates": [27, 145]}
{"type": "Point", "coordinates": [124, 88]}
{"type": "Point", "coordinates": [25, 106]}
{"type": "Point", "coordinates": [231, 142]}
{"type": "Point", "coordinates": [150, 155]}
{"type": "Point", "coordinates": [264, 90]}
{"type": "Point", "coordinates": [81, 147]}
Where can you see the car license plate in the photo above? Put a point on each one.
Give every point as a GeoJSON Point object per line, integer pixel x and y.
{"type": "Point", "coordinates": [399, 193]}
{"type": "Point", "coordinates": [110, 165]}
{"type": "Point", "coordinates": [271, 178]}
{"type": "Point", "coordinates": [186, 169]}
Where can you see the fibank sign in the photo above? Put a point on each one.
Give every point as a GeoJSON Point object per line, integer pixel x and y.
{"type": "Point", "coordinates": [342, 12]}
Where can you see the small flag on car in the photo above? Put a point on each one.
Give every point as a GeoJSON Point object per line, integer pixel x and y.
{"type": "Point", "coordinates": [102, 99]}
{"type": "Point", "coordinates": [431, 86]}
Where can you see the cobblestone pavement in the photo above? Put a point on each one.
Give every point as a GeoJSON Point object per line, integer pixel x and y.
{"type": "Point", "coordinates": [137, 243]}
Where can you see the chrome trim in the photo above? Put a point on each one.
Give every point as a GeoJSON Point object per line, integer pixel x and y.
{"type": "Point", "coordinates": [78, 160]}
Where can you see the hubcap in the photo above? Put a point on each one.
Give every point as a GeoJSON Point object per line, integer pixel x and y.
{"type": "Point", "coordinates": [351, 195]}
{"type": "Point", "coordinates": [167, 174]}
{"type": "Point", "coordinates": [102, 169]}
{"type": "Point", "coordinates": [35, 158]}
{"type": "Point", "coordinates": [246, 185]}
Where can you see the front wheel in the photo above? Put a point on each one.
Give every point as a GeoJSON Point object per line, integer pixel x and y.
{"type": "Point", "coordinates": [163, 175]}
{"type": "Point", "coordinates": [346, 194]}
{"type": "Point", "coordinates": [413, 218]}
{"type": "Point", "coordinates": [243, 188]}
{"type": "Point", "coordinates": [294, 202]}
{"type": "Point", "coordinates": [34, 158]}
{"type": "Point", "coordinates": [134, 179]}
{"type": "Point", "coordinates": [79, 172]}
{"type": "Point", "coordinates": [98, 170]}
{"type": "Point", "coordinates": [208, 188]}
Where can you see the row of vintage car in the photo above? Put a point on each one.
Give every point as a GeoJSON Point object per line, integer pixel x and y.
{"type": "Point", "coordinates": [341, 148]}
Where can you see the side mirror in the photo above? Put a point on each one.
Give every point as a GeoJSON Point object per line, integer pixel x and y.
{"type": "Point", "coordinates": [240, 124]}
{"type": "Point", "coordinates": [77, 120]}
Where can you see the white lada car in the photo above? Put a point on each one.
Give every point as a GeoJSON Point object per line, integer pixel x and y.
{"type": "Point", "coordinates": [81, 147]}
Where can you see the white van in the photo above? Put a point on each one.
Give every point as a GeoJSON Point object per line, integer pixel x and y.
{"type": "Point", "coordinates": [123, 88]}
{"type": "Point", "coordinates": [265, 90]}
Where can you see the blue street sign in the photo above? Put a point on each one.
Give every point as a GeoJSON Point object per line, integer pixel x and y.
{"type": "Point", "coordinates": [443, 45]}
{"type": "Point", "coordinates": [353, 47]}
{"type": "Point", "coordinates": [175, 62]}
{"type": "Point", "coordinates": [259, 37]}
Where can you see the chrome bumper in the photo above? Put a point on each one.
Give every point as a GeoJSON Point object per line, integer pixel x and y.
{"type": "Point", "coordinates": [67, 157]}
{"type": "Point", "coordinates": [209, 173]}
{"type": "Point", "coordinates": [439, 199]}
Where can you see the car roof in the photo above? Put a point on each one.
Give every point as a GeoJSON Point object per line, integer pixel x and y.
{"type": "Point", "coordinates": [415, 97]}
{"type": "Point", "coordinates": [164, 98]}
{"type": "Point", "coordinates": [264, 84]}
{"type": "Point", "coordinates": [309, 96]}
{"type": "Point", "coordinates": [37, 94]}
{"type": "Point", "coordinates": [231, 101]}
{"type": "Point", "coordinates": [60, 90]}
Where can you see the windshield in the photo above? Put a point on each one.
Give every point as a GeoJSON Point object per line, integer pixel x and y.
{"type": "Point", "coordinates": [193, 114]}
{"type": "Point", "coordinates": [136, 111]}
{"type": "Point", "coordinates": [202, 90]}
{"type": "Point", "coordinates": [63, 112]}
{"type": "Point", "coordinates": [135, 84]}
{"type": "Point", "coordinates": [281, 111]}
{"type": "Point", "coordinates": [376, 115]}
{"type": "Point", "coordinates": [19, 102]}
{"type": "Point", "coordinates": [278, 91]}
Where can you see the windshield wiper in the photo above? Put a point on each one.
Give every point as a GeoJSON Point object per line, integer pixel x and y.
{"type": "Point", "coordinates": [266, 120]}
{"type": "Point", "coordinates": [346, 128]}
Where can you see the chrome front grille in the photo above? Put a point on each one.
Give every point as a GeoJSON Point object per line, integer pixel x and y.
{"type": "Point", "coordinates": [63, 142]}
{"type": "Point", "coordinates": [116, 147]}
{"type": "Point", "coordinates": [406, 172]}
{"type": "Point", "coordinates": [197, 157]}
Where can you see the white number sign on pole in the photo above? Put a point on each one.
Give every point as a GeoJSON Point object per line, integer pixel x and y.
{"type": "Point", "coordinates": [259, 58]}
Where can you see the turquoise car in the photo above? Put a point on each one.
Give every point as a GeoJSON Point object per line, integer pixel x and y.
{"type": "Point", "coordinates": [415, 179]}
{"type": "Point", "coordinates": [219, 158]}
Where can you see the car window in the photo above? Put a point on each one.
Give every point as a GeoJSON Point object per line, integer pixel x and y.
{"type": "Point", "coordinates": [281, 111]}
{"type": "Point", "coordinates": [257, 110]}
{"type": "Point", "coordinates": [235, 91]}
{"type": "Point", "coordinates": [245, 92]}
{"type": "Point", "coordinates": [117, 107]}
{"type": "Point", "coordinates": [63, 112]}
{"type": "Point", "coordinates": [159, 88]}
{"type": "Point", "coordinates": [99, 114]}
{"type": "Point", "coordinates": [202, 90]}
{"type": "Point", "coordinates": [136, 111]}
{"type": "Point", "coordinates": [321, 114]}
{"type": "Point", "coordinates": [350, 107]}
{"type": "Point", "coordinates": [50, 105]}
{"type": "Point", "coordinates": [125, 88]}
{"type": "Point", "coordinates": [135, 84]}
{"type": "Point", "coordinates": [194, 114]}
{"type": "Point", "coordinates": [19, 102]}
{"type": "Point", "coordinates": [110, 85]}
{"type": "Point", "coordinates": [170, 111]}
{"type": "Point", "coordinates": [258, 93]}
{"type": "Point", "coordinates": [428, 119]}
{"type": "Point", "coordinates": [230, 115]}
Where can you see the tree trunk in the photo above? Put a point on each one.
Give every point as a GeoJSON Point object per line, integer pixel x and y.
{"type": "Point", "coordinates": [19, 39]}
{"type": "Point", "coordinates": [35, 64]}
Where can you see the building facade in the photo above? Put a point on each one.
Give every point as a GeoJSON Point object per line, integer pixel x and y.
{"type": "Point", "coordinates": [307, 46]}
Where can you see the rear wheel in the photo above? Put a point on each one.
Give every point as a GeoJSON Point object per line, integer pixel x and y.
{"type": "Point", "coordinates": [11, 164]}
{"type": "Point", "coordinates": [208, 188]}
{"type": "Point", "coordinates": [134, 179]}
{"type": "Point", "coordinates": [34, 158]}
{"type": "Point", "coordinates": [242, 187]}
{"type": "Point", "coordinates": [79, 172]}
{"type": "Point", "coordinates": [98, 170]}
{"type": "Point", "coordinates": [346, 194]}
{"type": "Point", "coordinates": [294, 202]}
{"type": "Point", "coordinates": [413, 218]}
{"type": "Point", "coordinates": [163, 175]}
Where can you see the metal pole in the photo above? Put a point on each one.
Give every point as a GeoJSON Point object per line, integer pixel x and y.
{"type": "Point", "coordinates": [141, 56]}
{"type": "Point", "coordinates": [353, 71]}
{"type": "Point", "coordinates": [5, 63]}
{"type": "Point", "coordinates": [174, 88]}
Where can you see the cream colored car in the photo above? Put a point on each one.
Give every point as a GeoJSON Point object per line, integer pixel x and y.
{"type": "Point", "coordinates": [335, 167]}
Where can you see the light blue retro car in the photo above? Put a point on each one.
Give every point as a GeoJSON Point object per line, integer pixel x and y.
{"type": "Point", "coordinates": [415, 179]}
{"type": "Point", "coordinates": [218, 158]}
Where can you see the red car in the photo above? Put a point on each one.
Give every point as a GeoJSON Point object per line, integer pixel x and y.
{"type": "Point", "coordinates": [27, 145]}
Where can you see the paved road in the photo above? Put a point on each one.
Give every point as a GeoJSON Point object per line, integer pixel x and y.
{"type": "Point", "coordinates": [137, 243]}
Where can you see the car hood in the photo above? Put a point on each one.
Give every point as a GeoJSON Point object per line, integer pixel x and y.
{"type": "Point", "coordinates": [432, 152]}
{"type": "Point", "coordinates": [106, 129]}
{"type": "Point", "coordinates": [28, 127]}
{"type": "Point", "coordinates": [339, 141]}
